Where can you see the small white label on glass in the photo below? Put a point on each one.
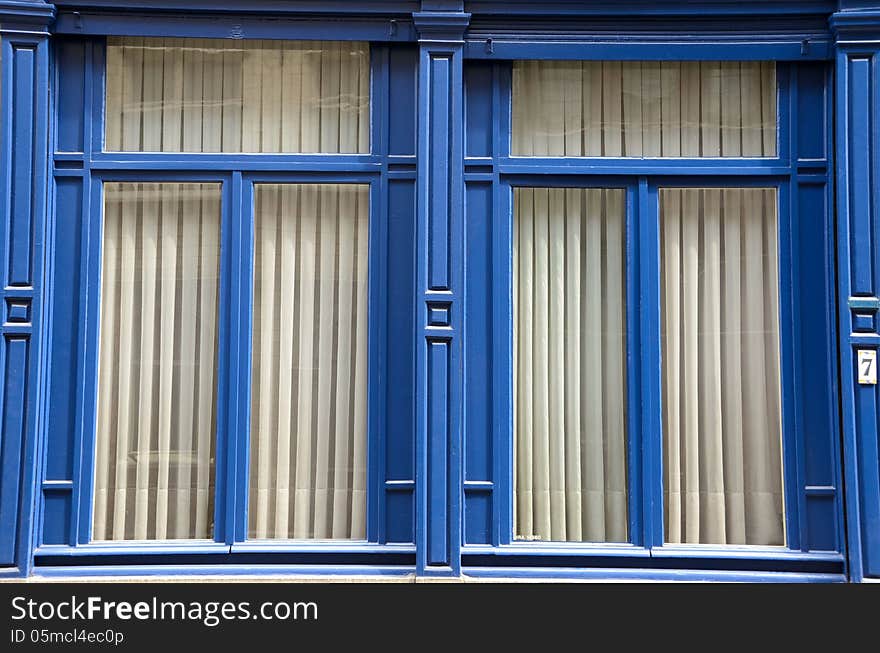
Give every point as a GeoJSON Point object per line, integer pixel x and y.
{"type": "Point", "coordinates": [867, 366]}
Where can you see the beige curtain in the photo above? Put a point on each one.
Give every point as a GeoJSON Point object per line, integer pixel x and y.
{"type": "Point", "coordinates": [157, 362]}
{"type": "Point", "coordinates": [216, 95]}
{"type": "Point", "coordinates": [569, 365]}
{"type": "Point", "coordinates": [644, 109]}
{"type": "Point", "coordinates": [308, 428]}
{"type": "Point", "coordinates": [721, 417]}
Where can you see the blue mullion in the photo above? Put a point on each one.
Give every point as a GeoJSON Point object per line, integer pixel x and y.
{"type": "Point", "coordinates": [622, 166]}
{"type": "Point", "coordinates": [87, 372]}
{"type": "Point", "coordinates": [377, 387]}
{"type": "Point", "coordinates": [651, 362]}
{"type": "Point", "coordinates": [241, 282]}
{"type": "Point", "coordinates": [793, 456]}
{"type": "Point", "coordinates": [786, 114]}
{"type": "Point", "coordinates": [249, 161]}
{"type": "Point", "coordinates": [181, 177]}
{"type": "Point", "coordinates": [226, 327]}
{"type": "Point", "coordinates": [634, 436]}
{"type": "Point", "coordinates": [93, 108]}
{"type": "Point", "coordinates": [96, 79]}
{"type": "Point", "coordinates": [502, 361]}
{"type": "Point", "coordinates": [377, 272]}
{"type": "Point", "coordinates": [691, 181]}
{"type": "Point", "coordinates": [502, 102]}
{"type": "Point", "coordinates": [788, 228]}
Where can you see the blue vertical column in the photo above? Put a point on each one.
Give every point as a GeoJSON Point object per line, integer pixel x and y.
{"type": "Point", "coordinates": [857, 35]}
{"type": "Point", "coordinates": [24, 127]}
{"type": "Point", "coordinates": [439, 288]}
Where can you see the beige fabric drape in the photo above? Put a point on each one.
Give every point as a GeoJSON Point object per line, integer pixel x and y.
{"type": "Point", "coordinates": [308, 414]}
{"type": "Point", "coordinates": [157, 362]}
{"type": "Point", "coordinates": [721, 416]}
{"type": "Point", "coordinates": [214, 95]}
{"type": "Point", "coordinates": [569, 365]}
{"type": "Point", "coordinates": [644, 109]}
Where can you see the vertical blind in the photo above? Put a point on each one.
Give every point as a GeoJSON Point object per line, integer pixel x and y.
{"type": "Point", "coordinates": [721, 393]}
{"type": "Point", "coordinates": [208, 95]}
{"type": "Point", "coordinates": [644, 109]}
{"type": "Point", "coordinates": [569, 365]}
{"type": "Point", "coordinates": [308, 414]}
{"type": "Point", "coordinates": [157, 362]}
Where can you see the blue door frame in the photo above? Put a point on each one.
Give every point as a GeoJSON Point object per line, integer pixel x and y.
{"type": "Point", "coordinates": [435, 177]}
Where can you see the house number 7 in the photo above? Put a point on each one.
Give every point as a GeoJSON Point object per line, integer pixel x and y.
{"type": "Point", "coordinates": [867, 363]}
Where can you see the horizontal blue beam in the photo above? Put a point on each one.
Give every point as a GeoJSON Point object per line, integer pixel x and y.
{"type": "Point", "coordinates": [643, 575]}
{"type": "Point", "coordinates": [243, 162]}
{"type": "Point", "coordinates": [648, 7]}
{"type": "Point", "coordinates": [536, 550]}
{"type": "Point", "coordinates": [253, 6]}
{"type": "Point", "coordinates": [361, 28]}
{"type": "Point", "coordinates": [640, 166]}
{"type": "Point", "coordinates": [621, 48]}
{"type": "Point", "coordinates": [221, 570]}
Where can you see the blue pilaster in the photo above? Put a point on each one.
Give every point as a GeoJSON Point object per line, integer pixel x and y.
{"type": "Point", "coordinates": [857, 35]}
{"type": "Point", "coordinates": [24, 127]}
{"type": "Point", "coordinates": [440, 288]}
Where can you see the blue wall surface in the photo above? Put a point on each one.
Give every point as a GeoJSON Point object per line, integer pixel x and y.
{"type": "Point", "coordinates": [441, 176]}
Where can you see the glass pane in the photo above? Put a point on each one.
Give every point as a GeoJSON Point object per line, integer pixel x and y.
{"type": "Point", "coordinates": [157, 385]}
{"type": "Point", "coordinates": [309, 370]}
{"type": "Point", "coordinates": [644, 109]}
{"type": "Point", "coordinates": [721, 419]}
{"type": "Point", "coordinates": [569, 365]}
{"type": "Point", "coordinates": [204, 95]}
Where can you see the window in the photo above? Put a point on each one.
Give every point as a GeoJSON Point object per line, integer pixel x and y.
{"type": "Point", "coordinates": [640, 250]}
{"type": "Point", "coordinates": [719, 301]}
{"type": "Point", "coordinates": [158, 362]}
{"type": "Point", "coordinates": [309, 379]}
{"type": "Point", "coordinates": [203, 95]}
{"type": "Point", "coordinates": [569, 364]}
{"type": "Point", "coordinates": [161, 277]}
{"type": "Point", "coordinates": [644, 108]}
{"type": "Point", "coordinates": [721, 419]}
{"type": "Point", "coordinates": [234, 279]}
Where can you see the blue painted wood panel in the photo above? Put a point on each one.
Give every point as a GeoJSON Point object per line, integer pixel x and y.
{"type": "Point", "coordinates": [24, 133]}
{"type": "Point", "coordinates": [480, 407]}
{"type": "Point", "coordinates": [857, 154]}
{"type": "Point", "coordinates": [440, 267]}
{"type": "Point", "coordinates": [399, 447]}
{"type": "Point", "coordinates": [13, 422]}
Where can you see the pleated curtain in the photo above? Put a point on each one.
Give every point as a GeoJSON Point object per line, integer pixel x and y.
{"type": "Point", "coordinates": [157, 371]}
{"type": "Point", "coordinates": [569, 365]}
{"type": "Point", "coordinates": [308, 412]}
{"type": "Point", "coordinates": [721, 392]}
{"type": "Point", "coordinates": [217, 95]}
{"type": "Point", "coordinates": [644, 109]}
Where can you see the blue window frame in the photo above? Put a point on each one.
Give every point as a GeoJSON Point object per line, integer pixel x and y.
{"type": "Point", "coordinates": [81, 167]}
{"type": "Point", "coordinates": [800, 175]}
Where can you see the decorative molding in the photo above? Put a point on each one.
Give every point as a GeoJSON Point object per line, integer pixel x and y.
{"type": "Point", "coordinates": [441, 26]}
{"type": "Point", "coordinates": [25, 15]}
{"type": "Point", "coordinates": [856, 27]}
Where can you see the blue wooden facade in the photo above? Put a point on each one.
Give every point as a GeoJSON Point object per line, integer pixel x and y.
{"type": "Point", "coordinates": [440, 173]}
